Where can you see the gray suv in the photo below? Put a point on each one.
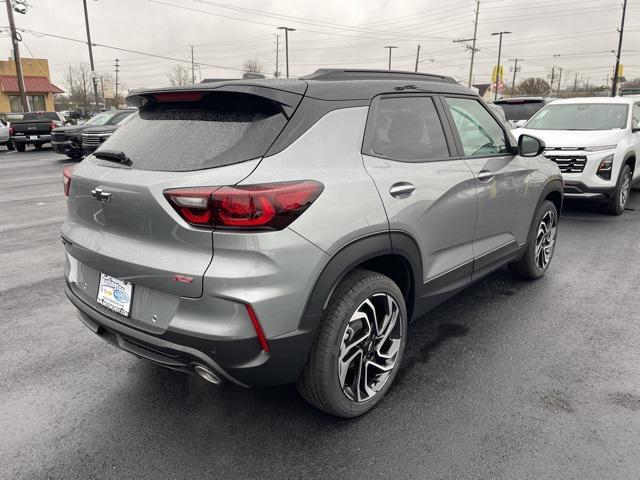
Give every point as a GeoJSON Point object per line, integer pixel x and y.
{"type": "Point", "coordinates": [261, 232]}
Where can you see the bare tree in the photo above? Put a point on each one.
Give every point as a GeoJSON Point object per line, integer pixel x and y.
{"type": "Point", "coordinates": [179, 75]}
{"type": "Point", "coordinates": [252, 65]}
{"type": "Point", "coordinates": [77, 79]}
{"type": "Point", "coordinates": [533, 86]}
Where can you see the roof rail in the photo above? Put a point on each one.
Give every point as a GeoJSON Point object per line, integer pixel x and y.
{"type": "Point", "coordinates": [364, 74]}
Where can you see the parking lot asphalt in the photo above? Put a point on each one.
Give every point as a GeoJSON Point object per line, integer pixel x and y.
{"type": "Point", "coordinates": [508, 380]}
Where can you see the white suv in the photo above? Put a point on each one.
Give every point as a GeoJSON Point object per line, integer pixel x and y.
{"type": "Point", "coordinates": [595, 142]}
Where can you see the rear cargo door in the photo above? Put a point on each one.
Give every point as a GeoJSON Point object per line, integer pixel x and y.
{"type": "Point", "coordinates": [119, 222]}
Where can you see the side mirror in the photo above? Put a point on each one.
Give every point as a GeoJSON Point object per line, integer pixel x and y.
{"type": "Point", "coordinates": [529, 146]}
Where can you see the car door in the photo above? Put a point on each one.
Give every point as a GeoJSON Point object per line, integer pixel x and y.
{"type": "Point", "coordinates": [505, 196]}
{"type": "Point", "coordinates": [407, 150]}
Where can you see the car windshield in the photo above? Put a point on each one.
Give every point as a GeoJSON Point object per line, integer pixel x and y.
{"type": "Point", "coordinates": [580, 116]}
{"type": "Point", "coordinates": [98, 120]}
{"type": "Point", "coordinates": [108, 118]}
{"type": "Point", "coordinates": [520, 110]}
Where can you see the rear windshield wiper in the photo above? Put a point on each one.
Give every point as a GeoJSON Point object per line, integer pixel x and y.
{"type": "Point", "coordinates": [113, 156]}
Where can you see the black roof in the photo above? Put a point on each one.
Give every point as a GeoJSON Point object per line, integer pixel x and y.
{"type": "Point", "coordinates": [333, 84]}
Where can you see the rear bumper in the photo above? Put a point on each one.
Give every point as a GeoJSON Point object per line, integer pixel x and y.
{"type": "Point", "coordinates": [573, 189]}
{"type": "Point", "coordinates": [240, 361]}
{"type": "Point", "coordinates": [25, 139]}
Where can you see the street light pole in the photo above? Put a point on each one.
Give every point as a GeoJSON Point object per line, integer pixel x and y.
{"type": "Point", "coordinates": [93, 70]}
{"type": "Point", "coordinates": [15, 39]}
{"type": "Point", "coordinates": [498, 77]}
{"type": "Point", "coordinates": [286, 45]}
{"type": "Point", "coordinates": [614, 87]}
{"type": "Point", "coordinates": [390, 47]}
{"type": "Point", "coordinates": [417, 58]}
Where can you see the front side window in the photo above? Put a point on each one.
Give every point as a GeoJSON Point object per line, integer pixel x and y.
{"type": "Point", "coordinates": [480, 133]}
{"type": "Point", "coordinates": [408, 129]}
{"type": "Point", "coordinates": [580, 116]}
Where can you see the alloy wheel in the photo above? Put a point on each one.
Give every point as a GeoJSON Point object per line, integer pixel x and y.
{"type": "Point", "coordinates": [625, 190]}
{"type": "Point", "coordinates": [546, 239]}
{"type": "Point", "coordinates": [370, 347]}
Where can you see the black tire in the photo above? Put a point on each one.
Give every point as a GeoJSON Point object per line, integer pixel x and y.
{"type": "Point", "coordinates": [617, 204]}
{"type": "Point", "coordinates": [10, 145]}
{"type": "Point", "coordinates": [37, 146]}
{"type": "Point", "coordinates": [319, 381]}
{"type": "Point", "coordinates": [21, 147]}
{"type": "Point", "coordinates": [529, 265]}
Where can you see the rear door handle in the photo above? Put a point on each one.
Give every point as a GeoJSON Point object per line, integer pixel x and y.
{"type": "Point", "coordinates": [485, 175]}
{"type": "Point", "coordinates": [402, 189]}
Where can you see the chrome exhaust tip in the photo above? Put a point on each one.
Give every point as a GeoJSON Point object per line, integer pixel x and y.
{"type": "Point", "coordinates": [208, 375]}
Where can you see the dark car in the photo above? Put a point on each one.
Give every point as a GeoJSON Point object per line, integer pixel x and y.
{"type": "Point", "coordinates": [520, 109]}
{"type": "Point", "coordinates": [93, 136]}
{"type": "Point", "coordinates": [35, 129]}
{"type": "Point", "coordinates": [68, 140]}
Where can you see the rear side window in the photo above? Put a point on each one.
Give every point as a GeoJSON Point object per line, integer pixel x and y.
{"type": "Point", "coordinates": [408, 129]}
{"type": "Point", "coordinates": [221, 129]}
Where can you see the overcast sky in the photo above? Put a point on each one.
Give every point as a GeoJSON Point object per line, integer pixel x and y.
{"type": "Point", "coordinates": [341, 33]}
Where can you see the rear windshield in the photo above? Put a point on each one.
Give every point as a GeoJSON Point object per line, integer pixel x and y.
{"type": "Point", "coordinates": [221, 129]}
{"type": "Point", "coordinates": [40, 116]}
{"type": "Point", "coordinates": [520, 111]}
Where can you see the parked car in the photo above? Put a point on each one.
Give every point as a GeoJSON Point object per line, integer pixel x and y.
{"type": "Point", "coordinates": [5, 137]}
{"type": "Point", "coordinates": [97, 133]}
{"type": "Point", "coordinates": [595, 141]}
{"type": "Point", "coordinates": [277, 231]}
{"type": "Point", "coordinates": [520, 109]}
{"type": "Point", "coordinates": [68, 140]}
{"type": "Point", "coordinates": [35, 129]}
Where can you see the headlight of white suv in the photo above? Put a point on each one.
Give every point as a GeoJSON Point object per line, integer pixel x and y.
{"type": "Point", "coordinates": [605, 167]}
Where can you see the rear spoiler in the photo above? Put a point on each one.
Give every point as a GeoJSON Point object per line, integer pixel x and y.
{"type": "Point", "coordinates": [287, 100]}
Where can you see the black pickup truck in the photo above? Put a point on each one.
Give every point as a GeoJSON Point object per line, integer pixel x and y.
{"type": "Point", "coordinates": [35, 129]}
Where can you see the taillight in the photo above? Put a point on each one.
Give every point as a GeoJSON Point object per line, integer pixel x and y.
{"type": "Point", "coordinates": [11, 131]}
{"type": "Point", "coordinates": [271, 206]}
{"type": "Point", "coordinates": [66, 179]}
{"type": "Point", "coordinates": [178, 96]}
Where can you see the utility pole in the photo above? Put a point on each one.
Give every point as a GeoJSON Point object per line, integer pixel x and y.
{"type": "Point", "coordinates": [93, 70]}
{"type": "Point", "coordinates": [277, 74]}
{"type": "Point", "coordinates": [559, 81]}
{"type": "Point", "coordinates": [390, 47]}
{"type": "Point", "coordinates": [286, 44]}
{"type": "Point", "coordinates": [515, 70]}
{"type": "Point", "coordinates": [193, 68]}
{"type": "Point", "coordinates": [575, 83]}
{"type": "Point", "coordinates": [553, 73]}
{"type": "Point", "coordinates": [473, 45]}
{"type": "Point", "coordinates": [498, 76]}
{"type": "Point", "coordinates": [116, 100]}
{"type": "Point", "coordinates": [614, 87]}
{"type": "Point", "coordinates": [417, 57]}
{"type": "Point", "coordinates": [15, 39]}
{"type": "Point", "coordinates": [104, 100]}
